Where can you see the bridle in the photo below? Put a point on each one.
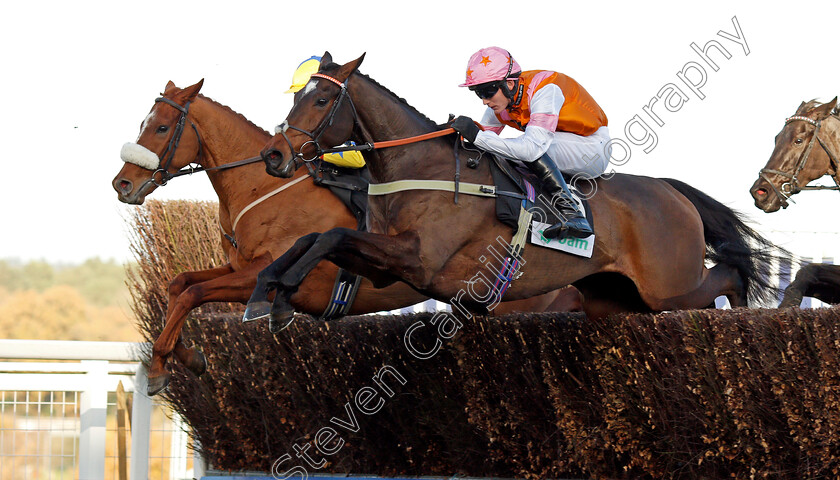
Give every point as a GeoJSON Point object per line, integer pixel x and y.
{"type": "Point", "coordinates": [789, 188]}
{"type": "Point", "coordinates": [316, 134]}
{"type": "Point", "coordinates": [172, 146]}
{"type": "Point", "coordinates": [319, 131]}
{"type": "Point", "coordinates": [174, 140]}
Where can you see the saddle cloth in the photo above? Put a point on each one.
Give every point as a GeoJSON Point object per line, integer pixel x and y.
{"type": "Point", "coordinates": [510, 178]}
{"type": "Point", "coordinates": [350, 185]}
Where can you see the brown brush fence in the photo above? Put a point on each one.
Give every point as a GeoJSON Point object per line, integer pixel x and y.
{"type": "Point", "coordinates": [694, 394]}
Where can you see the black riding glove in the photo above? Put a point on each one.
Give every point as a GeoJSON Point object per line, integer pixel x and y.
{"type": "Point", "coordinates": [466, 127]}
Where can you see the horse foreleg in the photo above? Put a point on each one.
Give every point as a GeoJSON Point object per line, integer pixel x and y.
{"type": "Point", "coordinates": [184, 280]}
{"type": "Point", "coordinates": [234, 287]}
{"type": "Point", "coordinates": [189, 357]}
{"type": "Point", "coordinates": [815, 280]}
{"type": "Point", "coordinates": [258, 305]}
{"type": "Point", "coordinates": [382, 259]}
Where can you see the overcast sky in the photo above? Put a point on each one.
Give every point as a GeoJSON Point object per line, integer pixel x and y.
{"type": "Point", "coordinates": [79, 77]}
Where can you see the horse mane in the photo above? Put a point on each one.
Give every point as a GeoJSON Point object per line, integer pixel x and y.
{"type": "Point", "coordinates": [430, 122]}
{"type": "Point", "coordinates": [807, 105]}
{"type": "Point", "coordinates": [234, 112]}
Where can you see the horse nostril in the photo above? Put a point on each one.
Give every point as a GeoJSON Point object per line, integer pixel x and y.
{"type": "Point", "coordinates": [124, 186]}
{"type": "Point", "coordinates": [760, 192]}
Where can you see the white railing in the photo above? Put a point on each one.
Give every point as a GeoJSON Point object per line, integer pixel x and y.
{"type": "Point", "coordinates": [87, 371]}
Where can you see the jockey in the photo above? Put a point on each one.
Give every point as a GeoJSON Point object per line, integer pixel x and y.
{"type": "Point", "coordinates": [565, 129]}
{"type": "Point", "coordinates": [349, 159]}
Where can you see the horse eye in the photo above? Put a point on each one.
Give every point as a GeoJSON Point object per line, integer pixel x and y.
{"type": "Point", "coordinates": [321, 102]}
{"type": "Point", "coordinates": [798, 141]}
{"type": "Point", "coordinates": [162, 129]}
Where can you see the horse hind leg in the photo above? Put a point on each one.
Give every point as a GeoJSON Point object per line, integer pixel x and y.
{"type": "Point", "coordinates": [817, 280]}
{"type": "Point", "coordinates": [731, 285]}
{"type": "Point", "coordinates": [610, 293]}
{"type": "Point", "coordinates": [721, 280]}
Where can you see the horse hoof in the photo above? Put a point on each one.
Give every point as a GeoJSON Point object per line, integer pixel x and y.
{"type": "Point", "coordinates": [256, 311]}
{"type": "Point", "coordinates": [197, 364]}
{"type": "Point", "coordinates": [278, 322]}
{"type": "Point", "coordinates": [156, 384]}
{"type": "Point", "coordinates": [787, 303]}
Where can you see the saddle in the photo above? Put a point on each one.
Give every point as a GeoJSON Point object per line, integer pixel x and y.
{"type": "Point", "coordinates": [350, 185]}
{"type": "Point", "coordinates": [515, 194]}
{"type": "Point", "coordinates": [510, 178]}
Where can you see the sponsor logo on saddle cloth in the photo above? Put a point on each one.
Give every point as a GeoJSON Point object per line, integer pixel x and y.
{"type": "Point", "coordinates": [581, 247]}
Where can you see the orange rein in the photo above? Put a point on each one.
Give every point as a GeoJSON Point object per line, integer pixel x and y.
{"type": "Point", "coordinates": [387, 143]}
{"type": "Point", "coordinates": [392, 143]}
{"type": "Point", "coordinates": [418, 138]}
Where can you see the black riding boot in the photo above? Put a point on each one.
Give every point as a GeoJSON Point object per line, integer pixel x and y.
{"type": "Point", "coordinates": [573, 223]}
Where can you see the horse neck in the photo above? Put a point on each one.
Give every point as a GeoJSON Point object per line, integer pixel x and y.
{"type": "Point", "coordinates": [831, 137]}
{"type": "Point", "coordinates": [384, 117]}
{"type": "Point", "coordinates": [226, 138]}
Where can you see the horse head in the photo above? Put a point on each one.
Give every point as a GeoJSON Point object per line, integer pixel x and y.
{"type": "Point", "coordinates": [323, 116]}
{"type": "Point", "coordinates": [168, 141]}
{"type": "Point", "coordinates": [805, 150]}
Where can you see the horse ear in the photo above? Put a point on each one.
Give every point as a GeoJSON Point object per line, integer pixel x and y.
{"type": "Point", "coordinates": [348, 68]}
{"type": "Point", "coordinates": [326, 59]}
{"type": "Point", "coordinates": [170, 87]}
{"type": "Point", "coordinates": [188, 94]}
{"type": "Point", "coordinates": [824, 109]}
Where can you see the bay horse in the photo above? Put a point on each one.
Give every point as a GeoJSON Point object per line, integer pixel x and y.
{"type": "Point", "coordinates": [806, 149]}
{"type": "Point", "coordinates": [652, 235]}
{"type": "Point", "coordinates": [252, 234]}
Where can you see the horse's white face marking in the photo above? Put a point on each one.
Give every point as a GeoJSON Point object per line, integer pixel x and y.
{"type": "Point", "coordinates": [309, 87]}
{"type": "Point", "coordinates": [281, 128]}
{"type": "Point", "coordinates": [146, 122]}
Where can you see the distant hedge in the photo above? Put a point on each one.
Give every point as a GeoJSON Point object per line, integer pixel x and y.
{"type": "Point", "coordinates": [694, 394]}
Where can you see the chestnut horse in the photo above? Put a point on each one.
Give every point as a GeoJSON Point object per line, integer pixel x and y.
{"type": "Point", "coordinates": [806, 149]}
{"type": "Point", "coordinates": [213, 136]}
{"type": "Point", "coordinates": [652, 235]}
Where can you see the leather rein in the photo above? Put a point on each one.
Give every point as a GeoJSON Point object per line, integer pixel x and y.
{"type": "Point", "coordinates": [787, 189]}
{"type": "Point", "coordinates": [163, 169]}
{"type": "Point", "coordinates": [316, 134]}
{"type": "Point", "coordinates": [174, 141]}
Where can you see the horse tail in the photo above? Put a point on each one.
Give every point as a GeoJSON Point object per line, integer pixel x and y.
{"type": "Point", "coordinates": [730, 241]}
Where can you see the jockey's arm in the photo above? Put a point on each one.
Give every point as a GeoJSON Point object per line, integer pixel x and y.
{"type": "Point", "coordinates": [539, 133]}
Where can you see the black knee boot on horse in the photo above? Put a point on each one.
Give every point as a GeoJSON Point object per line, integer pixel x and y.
{"type": "Point", "coordinates": [573, 222]}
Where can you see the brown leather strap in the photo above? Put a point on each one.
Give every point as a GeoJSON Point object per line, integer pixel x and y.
{"type": "Point", "coordinates": [418, 138]}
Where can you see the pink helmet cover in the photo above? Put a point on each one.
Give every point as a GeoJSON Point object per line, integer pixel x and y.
{"type": "Point", "coordinates": [488, 65]}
